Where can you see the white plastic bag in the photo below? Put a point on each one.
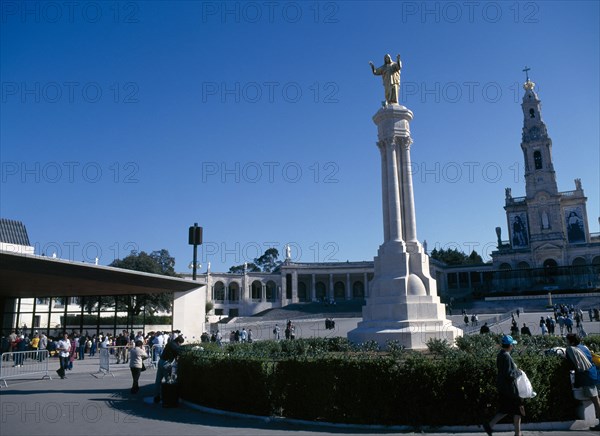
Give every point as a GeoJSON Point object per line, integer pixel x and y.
{"type": "Point", "coordinates": [524, 386]}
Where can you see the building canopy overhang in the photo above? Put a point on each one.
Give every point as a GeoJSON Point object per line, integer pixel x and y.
{"type": "Point", "coordinates": [29, 276]}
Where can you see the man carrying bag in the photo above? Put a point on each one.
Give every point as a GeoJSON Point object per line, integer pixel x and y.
{"type": "Point", "coordinates": [163, 369]}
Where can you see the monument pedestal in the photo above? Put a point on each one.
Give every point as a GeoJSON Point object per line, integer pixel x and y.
{"type": "Point", "coordinates": [403, 304]}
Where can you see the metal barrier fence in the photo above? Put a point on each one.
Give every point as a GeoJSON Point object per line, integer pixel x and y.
{"type": "Point", "coordinates": [117, 355]}
{"type": "Point", "coordinates": [20, 363]}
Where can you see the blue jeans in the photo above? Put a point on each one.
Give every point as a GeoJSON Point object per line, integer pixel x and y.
{"type": "Point", "coordinates": [161, 373]}
{"type": "Point", "coordinates": [64, 364]}
{"type": "Point", "coordinates": [157, 352]}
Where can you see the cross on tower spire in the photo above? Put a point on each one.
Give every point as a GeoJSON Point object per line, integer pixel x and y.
{"type": "Point", "coordinates": [526, 69]}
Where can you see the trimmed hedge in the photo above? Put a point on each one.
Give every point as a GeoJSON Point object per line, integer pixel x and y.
{"type": "Point", "coordinates": [330, 380]}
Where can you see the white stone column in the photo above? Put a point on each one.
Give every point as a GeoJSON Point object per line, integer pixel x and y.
{"type": "Point", "coordinates": [263, 292]}
{"type": "Point", "coordinates": [366, 284]}
{"type": "Point", "coordinates": [283, 286]}
{"type": "Point", "coordinates": [313, 288]}
{"type": "Point", "coordinates": [348, 287]}
{"type": "Point", "coordinates": [384, 191]}
{"type": "Point", "coordinates": [395, 219]}
{"type": "Point", "coordinates": [409, 220]}
{"type": "Point", "coordinates": [331, 290]}
{"type": "Point", "coordinates": [294, 286]}
{"type": "Point", "coordinates": [245, 296]}
{"type": "Point", "coordinates": [210, 289]}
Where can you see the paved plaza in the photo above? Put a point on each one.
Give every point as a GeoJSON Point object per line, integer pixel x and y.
{"type": "Point", "coordinates": [87, 403]}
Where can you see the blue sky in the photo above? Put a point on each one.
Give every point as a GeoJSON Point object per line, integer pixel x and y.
{"type": "Point", "coordinates": [123, 123]}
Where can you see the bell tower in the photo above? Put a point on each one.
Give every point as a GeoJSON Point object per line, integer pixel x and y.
{"type": "Point", "coordinates": [536, 145]}
{"type": "Point", "coordinates": [547, 228]}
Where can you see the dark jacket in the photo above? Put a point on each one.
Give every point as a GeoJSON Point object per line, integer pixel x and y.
{"type": "Point", "coordinates": [171, 351]}
{"type": "Point", "coordinates": [507, 375]}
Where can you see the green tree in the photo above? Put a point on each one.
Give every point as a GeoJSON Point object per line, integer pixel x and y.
{"type": "Point", "coordinates": [265, 263]}
{"type": "Point", "coordinates": [452, 256]}
{"type": "Point", "coordinates": [268, 261]}
{"type": "Point", "coordinates": [157, 262]}
{"type": "Point", "coordinates": [239, 269]}
{"type": "Point", "coordinates": [475, 258]}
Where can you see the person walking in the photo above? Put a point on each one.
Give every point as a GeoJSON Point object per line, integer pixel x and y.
{"type": "Point", "coordinates": [136, 364]}
{"type": "Point", "coordinates": [64, 348]}
{"type": "Point", "coordinates": [580, 361]}
{"type": "Point", "coordinates": [510, 403]}
{"type": "Point", "coordinates": [569, 324]}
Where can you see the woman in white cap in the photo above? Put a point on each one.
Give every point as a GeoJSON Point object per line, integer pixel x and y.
{"type": "Point", "coordinates": [508, 394]}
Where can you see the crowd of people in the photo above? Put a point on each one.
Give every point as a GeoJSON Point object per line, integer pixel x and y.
{"type": "Point", "coordinates": [244, 335]}
{"type": "Point", "coordinates": [83, 344]}
{"type": "Point", "coordinates": [215, 337]}
{"type": "Point", "coordinates": [567, 318]}
{"type": "Point", "coordinates": [19, 341]}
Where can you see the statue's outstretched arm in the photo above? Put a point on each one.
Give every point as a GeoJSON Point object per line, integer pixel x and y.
{"type": "Point", "coordinates": [372, 67]}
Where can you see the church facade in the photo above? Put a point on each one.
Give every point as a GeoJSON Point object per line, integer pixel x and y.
{"type": "Point", "coordinates": [550, 245]}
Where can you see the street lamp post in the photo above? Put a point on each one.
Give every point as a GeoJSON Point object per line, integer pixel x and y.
{"type": "Point", "coordinates": [195, 239]}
